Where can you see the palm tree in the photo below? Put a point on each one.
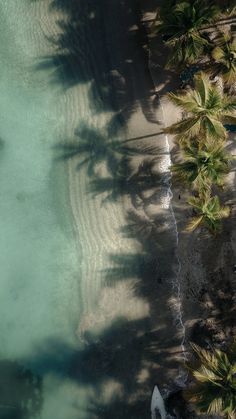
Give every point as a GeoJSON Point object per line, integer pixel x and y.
{"type": "Point", "coordinates": [214, 390]}
{"type": "Point", "coordinates": [224, 56]}
{"type": "Point", "coordinates": [180, 24]}
{"type": "Point", "coordinates": [203, 167]}
{"type": "Point", "coordinates": [209, 212]}
{"type": "Point", "coordinates": [206, 107]}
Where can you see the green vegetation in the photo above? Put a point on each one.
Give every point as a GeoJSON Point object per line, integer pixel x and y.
{"type": "Point", "coordinates": [208, 104]}
{"type": "Point", "coordinates": [214, 388]}
{"type": "Point", "coordinates": [181, 29]}
{"type": "Point", "coordinates": [207, 107]}
{"type": "Point", "coordinates": [201, 42]}
{"type": "Point", "coordinates": [224, 58]}
{"type": "Point", "coordinates": [203, 167]}
{"type": "Point", "coordinates": [201, 136]}
{"type": "Point", "coordinates": [209, 212]}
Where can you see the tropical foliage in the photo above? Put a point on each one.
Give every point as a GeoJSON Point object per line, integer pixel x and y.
{"type": "Point", "coordinates": [182, 29]}
{"type": "Point", "coordinates": [209, 212]}
{"type": "Point", "coordinates": [203, 167]}
{"type": "Point", "coordinates": [214, 389]}
{"type": "Point", "coordinates": [224, 58]}
{"type": "Point", "coordinates": [206, 107]}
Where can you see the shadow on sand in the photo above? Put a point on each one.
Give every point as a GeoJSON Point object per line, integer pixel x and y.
{"type": "Point", "coordinates": [105, 44]}
{"type": "Point", "coordinates": [132, 355]}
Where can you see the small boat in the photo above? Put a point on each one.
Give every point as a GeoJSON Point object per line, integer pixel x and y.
{"type": "Point", "coordinates": [157, 405]}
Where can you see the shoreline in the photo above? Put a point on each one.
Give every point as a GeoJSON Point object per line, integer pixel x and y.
{"type": "Point", "coordinates": [181, 208]}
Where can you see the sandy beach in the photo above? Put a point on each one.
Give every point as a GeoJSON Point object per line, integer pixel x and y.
{"type": "Point", "coordinates": [129, 327]}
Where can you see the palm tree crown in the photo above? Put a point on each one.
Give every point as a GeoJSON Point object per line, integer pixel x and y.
{"type": "Point", "coordinates": [207, 108]}
{"type": "Point", "coordinates": [209, 212]}
{"type": "Point", "coordinates": [214, 391]}
{"type": "Point", "coordinates": [180, 24]}
{"type": "Point", "coordinates": [203, 167]}
{"type": "Point", "coordinates": [224, 56]}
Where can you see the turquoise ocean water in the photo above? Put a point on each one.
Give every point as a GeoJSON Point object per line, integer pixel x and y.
{"type": "Point", "coordinates": [39, 291]}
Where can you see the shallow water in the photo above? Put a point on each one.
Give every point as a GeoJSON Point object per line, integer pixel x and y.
{"type": "Point", "coordinates": [87, 343]}
{"type": "Point", "coordinates": [39, 299]}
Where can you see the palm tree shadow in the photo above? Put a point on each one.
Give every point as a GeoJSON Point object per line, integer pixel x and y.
{"type": "Point", "coordinates": [20, 391]}
{"type": "Point", "coordinates": [91, 148]}
{"type": "Point", "coordinates": [88, 50]}
{"type": "Point", "coordinates": [117, 356]}
{"type": "Point", "coordinates": [151, 268]}
{"type": "Point", "coordinates": [126, 181]}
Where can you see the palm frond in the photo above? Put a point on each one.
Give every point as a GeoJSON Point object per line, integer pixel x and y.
{"type": "Point", "coordinates": [202, 86]}
{"type": "Point", "coordinates": [180, 24]}
{"type": "Point", "coordinates": [213, 127]}
{"type": "Point", "coordinates": [224, 212]}
{"type": "Point", "coordinates": [206, 108]}
{"type": "Point", "coordinates": [224, 57]}
{"type": "Point", "coordinates": [214, 389]}
{"type": "Point", "coordinates": [188, 127]}
{"type": "Point", "coordinates": [194, 223]}
{"type": "Point", "coordinates": [205, 375]}
{"type": "Point", "coordinates": [215, 406]}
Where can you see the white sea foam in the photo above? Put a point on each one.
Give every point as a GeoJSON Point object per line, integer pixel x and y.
{"type": "Point", "coordinates": [164, 167]}
{"type": "Point", "coordinates": [178, 312]}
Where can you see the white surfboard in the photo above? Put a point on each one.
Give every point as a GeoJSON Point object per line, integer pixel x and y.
{"type": "Point", "coordinates": [157, 404]}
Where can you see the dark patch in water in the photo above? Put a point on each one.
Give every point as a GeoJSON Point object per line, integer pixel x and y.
{"type": "Point", "coordinates": [20, 391]}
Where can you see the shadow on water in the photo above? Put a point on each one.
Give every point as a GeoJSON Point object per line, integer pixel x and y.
{"type": "Point", "coordinates": [105, 356]}
{"type": "Point", "coordinates": [20, 392]}
{"type": "Point", "coordinates": [113, 57]}
{"type": "Point", "coordinates": [125, 358]}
